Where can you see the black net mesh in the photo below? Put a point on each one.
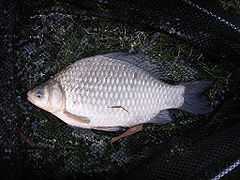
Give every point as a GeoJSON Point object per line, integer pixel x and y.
{"type": "Point", "coordinates": [41, 38]}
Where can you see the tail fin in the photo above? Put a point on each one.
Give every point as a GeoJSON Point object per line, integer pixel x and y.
{"type": "Point", "coordinates": [194, 101]}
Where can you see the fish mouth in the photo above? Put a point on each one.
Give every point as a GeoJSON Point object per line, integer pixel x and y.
{"type": "Point", "coordinates": [29, 93]}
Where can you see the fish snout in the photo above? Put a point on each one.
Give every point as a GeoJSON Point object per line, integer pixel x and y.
{"type": "Point", "coordinates": [29, 95]}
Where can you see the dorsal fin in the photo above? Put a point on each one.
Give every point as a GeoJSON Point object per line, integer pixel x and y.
{"type": "Point", "coordinates": [156, 69]}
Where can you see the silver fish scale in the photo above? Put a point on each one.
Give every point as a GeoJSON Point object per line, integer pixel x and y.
{"type": "Point", "coordinates": [111, 92]}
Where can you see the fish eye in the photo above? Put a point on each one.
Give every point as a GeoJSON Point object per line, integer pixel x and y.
{"type": "Point", "coordinates": [39, 93]}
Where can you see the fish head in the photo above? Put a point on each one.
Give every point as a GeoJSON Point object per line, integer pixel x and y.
{"type": "Point", "coordinates": [48, 96]}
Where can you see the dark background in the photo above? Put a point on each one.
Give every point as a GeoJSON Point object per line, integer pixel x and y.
{"type": "Point", "coordinates": [191, 40]}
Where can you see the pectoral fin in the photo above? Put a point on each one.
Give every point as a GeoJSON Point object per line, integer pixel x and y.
{"type": "Point", "coordinates": [80, 119]}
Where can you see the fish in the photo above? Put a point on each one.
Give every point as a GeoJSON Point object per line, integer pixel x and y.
{"type": "Point", "coordinates": [116, 90]}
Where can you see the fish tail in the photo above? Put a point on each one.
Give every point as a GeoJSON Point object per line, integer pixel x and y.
{"type": "Point", "coordinates": [194, 99]}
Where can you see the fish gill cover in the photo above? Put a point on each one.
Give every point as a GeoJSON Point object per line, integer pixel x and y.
{"type": "Point", "coordinates": [53, 34]}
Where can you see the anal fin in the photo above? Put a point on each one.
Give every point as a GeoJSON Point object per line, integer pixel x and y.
{"type": "Point", "coordinates": [163, 117]}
